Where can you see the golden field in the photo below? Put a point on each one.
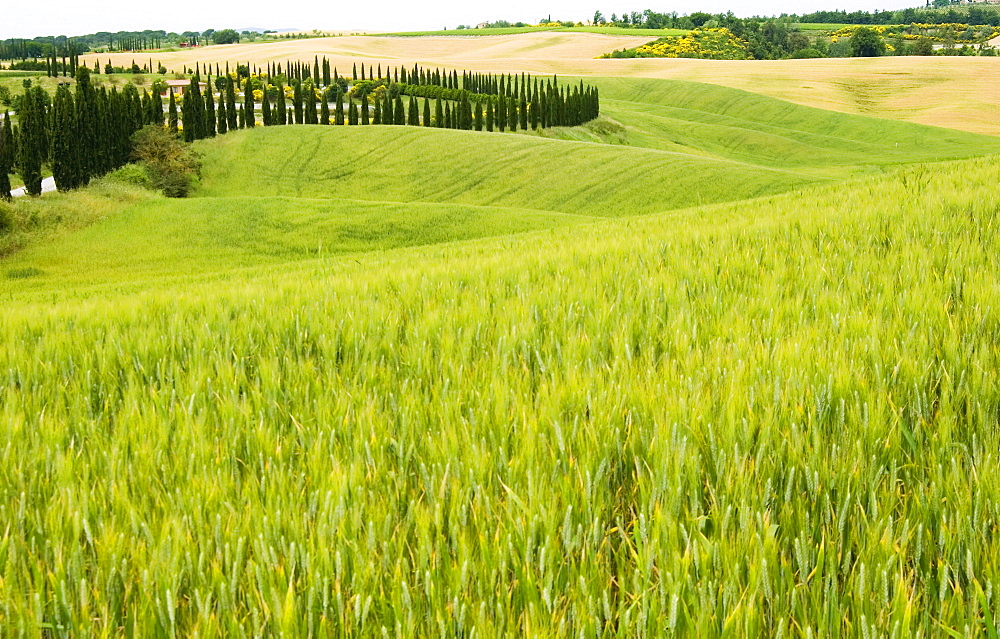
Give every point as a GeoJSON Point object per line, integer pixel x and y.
{"type": "Point", "coordinates": [961, 93]}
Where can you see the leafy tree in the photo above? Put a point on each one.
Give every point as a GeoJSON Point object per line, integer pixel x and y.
{"type": "Point", "coordinates": [226, 36]}
{"type": "Point", "coordinates": [867, 43]}
{"type": "Point", "coordinates": [171, 164]}
{"type": "Point", "coordinates": [923, 46]}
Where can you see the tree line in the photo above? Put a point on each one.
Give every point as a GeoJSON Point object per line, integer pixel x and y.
{"type": "Point", "coordinates": [314, 94]}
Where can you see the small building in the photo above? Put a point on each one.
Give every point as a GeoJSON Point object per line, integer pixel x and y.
{"type": "Point", "coordinates": [483, 25]}
{"type": "Point", "coordinates": [180, 86]}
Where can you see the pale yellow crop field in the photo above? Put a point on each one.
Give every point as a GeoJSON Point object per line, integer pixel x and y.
{"type": "Point", "coordinates": [956, 92]}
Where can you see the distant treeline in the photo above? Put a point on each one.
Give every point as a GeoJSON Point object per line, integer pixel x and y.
{"type": "Point", "coordinates": [973, 15]}
{"type": "Point", "coordinates": [43, 46]}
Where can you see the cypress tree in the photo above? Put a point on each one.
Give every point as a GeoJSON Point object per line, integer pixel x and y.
{"type": "Point", "coordinates": [297, 103]}
{"type": "Point", "coordinates": [524, 114]}
{"type": "Point", "coordinates": [438, 113]}
{"type": "Point", "coordinates": [387, 115]}
{"type": "Point", "coordinates": [363, 106]}
{"type": "Point", "coordinates": [413, 117]}
{"type": "Point", "coordinates": [233, 116]}
{"type": "Point", "coordinates": [427, 111]}
{"type": "Point", "coordinates": [447, 116]}
{"type": "Point", "coordinates": [352, 111]}
{"type": "Point", "coordinates": [316, 69]}
{"type": "Point", "coordinates": [266, 118]}
{"type": "Point", "coordinates": [310, 104]}
{"type": "Point", "coordinates": [223, 125]}
{"type": "Point", "coordinates": [280, 105]}
{"type": "Point", "coordinates": [86, 126]}
{"type": "Point", "coordinates": [172, 115]}
{"type": "Point", "coordinates": [147, 108]}
{"type": "Point", "coordinates": [354, 72]}
{"type": "Point", "coordinates": [33, 142]}
{"type": "Point", "coordinates": [248, 106]}
{"type": "Point", "coordinates": [377, 118]}
{"type": "Point", "coordinates": [209, 118]}
{"type": "Point", "coordinates": [398, 113]}
{"type": "Point", "coordinates": [466, 108]}
{"type": "Point", "coordinates": [478, 116]}
{"type": "Point", "coordinates": [6, 156]}
{"type": "Point", "coordinates": [338, 117]}
{"type": "Point", "coordinates": [489, 116]}
{"type": "Point", "coordinates": [512, 113]}
{"type": "Point", "coordinates": [326, 74]}
{"type": "Point", "coordinates": [501, 113]}
{"type": "Point", "coordinates": [188, 116]}
{"type": "Point", "coordinates": [324, 109]}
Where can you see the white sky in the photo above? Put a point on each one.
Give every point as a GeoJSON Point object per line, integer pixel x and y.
{"type": "Point", "coordinates": [78, 17]}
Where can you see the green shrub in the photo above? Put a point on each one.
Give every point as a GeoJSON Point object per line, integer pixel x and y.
{"type": "Point", "coordinates": [135, 174]}
{"type": "Point", "coordinates": [170, 164]}
{"type": "Point", "coordinates": [803, 54]}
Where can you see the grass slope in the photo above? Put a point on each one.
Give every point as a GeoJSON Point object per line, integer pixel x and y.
{"type": "Point", "coordinates": [755, 419]}
{"type": "Point", "coordinates": [415, 164]}
{"type": "Point", "coordinates": [747, 127]}
{"type": "Point", "coordinates": [169, 238]}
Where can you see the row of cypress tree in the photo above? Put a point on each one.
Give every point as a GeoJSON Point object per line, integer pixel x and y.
{"type": "Point", "coordinates": [85, 132]}
{"type": "Point", "coordinates": [470, 101]}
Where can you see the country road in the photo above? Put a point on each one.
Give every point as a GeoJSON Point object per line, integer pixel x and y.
{"type": "Point", "coordinates": [48, 185]}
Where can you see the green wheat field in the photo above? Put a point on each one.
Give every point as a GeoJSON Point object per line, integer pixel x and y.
{"type": "Point", "coordinates": [713, 365]}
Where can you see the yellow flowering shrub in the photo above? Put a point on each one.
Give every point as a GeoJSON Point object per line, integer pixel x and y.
{"type": "Point", "coordinates": [917, 30]}
{"type": "Point", "coordinates": [709, 44]}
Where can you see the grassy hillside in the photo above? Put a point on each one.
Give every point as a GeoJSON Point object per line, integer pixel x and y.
{"type": "Point", "coordinates": [415, 164]}
{"type": "Point", "coordinates": [753, 128]}
{"type": "Point", "coordinates": [758, 418]}
{"type": "Point", "coordinates": [334, 190]}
